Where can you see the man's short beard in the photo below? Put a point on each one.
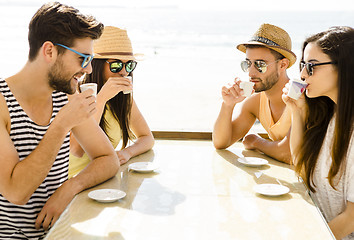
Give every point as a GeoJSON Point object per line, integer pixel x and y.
{"type": "Point", "coordinates": [58, 81]}
{"type": "Point", "coordinates": [268, 82]}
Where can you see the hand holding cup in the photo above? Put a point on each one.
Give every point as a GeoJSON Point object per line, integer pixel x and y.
{"type": "Point", "coordinates": [236, 92]}
{"type": "Point", "coordinates": [113, 86]}
{"type": "Point", "coordinates": [292, 94]}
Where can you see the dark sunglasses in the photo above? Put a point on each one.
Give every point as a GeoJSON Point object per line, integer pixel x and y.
{"type": "Point", "coordinates": [86, 59]}
{"type": "Point", "coordinates": [117, 66]}
{"type": "Point", "coordinates": [309, 66]}
{"type": "Point", "coordinates": [260, 65]}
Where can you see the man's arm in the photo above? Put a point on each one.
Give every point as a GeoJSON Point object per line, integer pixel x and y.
{"type": "Point", "coordinates": [19, 179]}
{"type": "Point", "coordinates": [104, 165]}
{"type": "Point", "coordinates": [227, 131]}
{"type": "Point", "coordinates": [279, 150]}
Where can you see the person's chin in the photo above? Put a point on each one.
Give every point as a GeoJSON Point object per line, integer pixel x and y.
{"type": "Point", "coordinates": [310, 94]}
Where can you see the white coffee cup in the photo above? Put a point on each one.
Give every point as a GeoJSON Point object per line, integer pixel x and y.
{"type": "Point", "coordinates": [247, 88]}
{"type": "Point", "coordinates": [86, 86]}
{"type": "Point", "coordinates": [297, 87]}
{"type": "Point", "coordinates": [128, 91]}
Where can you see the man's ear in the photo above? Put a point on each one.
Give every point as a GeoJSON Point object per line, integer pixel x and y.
{"type": "Point", "coordinates": [284, 63]}
{"type": "Point", "coordinates": [49, 52]}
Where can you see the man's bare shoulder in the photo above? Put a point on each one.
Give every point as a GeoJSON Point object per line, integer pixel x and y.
{"type": "Point", "coordinates": [251, 104]}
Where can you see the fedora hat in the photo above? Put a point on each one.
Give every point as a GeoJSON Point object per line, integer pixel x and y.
{"type": "Point", "coordinates": [272, 37]}
{"type": "Point", "coordinates": [114, 43]}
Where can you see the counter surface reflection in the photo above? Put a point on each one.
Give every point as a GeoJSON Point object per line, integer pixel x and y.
{"type": "Point", "coordinates": [196, 193]}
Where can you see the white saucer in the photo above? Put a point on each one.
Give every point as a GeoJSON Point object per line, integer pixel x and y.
{"type": "Point", "coordinates": [143, 167]}
{"type": "Point", "coordinates": [106, 195]}
{"type": "Point", "coordinates": [271, 189]}
{"type": "Point", "coordinates": [252, 161]}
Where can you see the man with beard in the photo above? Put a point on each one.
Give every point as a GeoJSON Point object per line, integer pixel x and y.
{"type": "Point", "coordinates": [36, 119]}
{"type": "Point", "coordinates": [268, 55]}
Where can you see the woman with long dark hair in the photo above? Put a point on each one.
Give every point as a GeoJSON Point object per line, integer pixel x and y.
{"type": "Point", "coordinates": [117, 112]}
{"type": "Point", "coordinates": [322, 138]}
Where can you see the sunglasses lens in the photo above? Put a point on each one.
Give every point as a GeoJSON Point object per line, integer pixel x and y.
{"type": "Point", "coordinates": [86, 61]}
{"type": "Point", "coordinates": [309, 69]}
{"type": "Point", "coordinates": [116, 66]}
{"type": "Point", "coordinates": [245, 65]}
{"type": "Point", "coordinates": [130, 66]}
{"type": "Point", "coordinates": [261, 66]}
{"type": "Point", "coordinates": [302, 65]}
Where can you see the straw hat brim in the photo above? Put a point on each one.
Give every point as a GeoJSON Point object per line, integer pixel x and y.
{"type": "Point", "coordinates": [285, 52]}
{"type": "Point", "coordinates": [136, 56]}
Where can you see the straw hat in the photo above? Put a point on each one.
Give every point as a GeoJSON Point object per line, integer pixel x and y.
{"type": "Point", "coordinates": [114, 43]}
{"type": "Point", "coordinates": [272, 37]}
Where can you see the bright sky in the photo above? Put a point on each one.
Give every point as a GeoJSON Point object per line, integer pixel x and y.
{"type": "Point", "coordinates": [258, 5]}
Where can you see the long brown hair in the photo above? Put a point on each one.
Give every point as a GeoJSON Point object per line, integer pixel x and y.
{"type": "Point", "coordinates": [120, 104]}
{"type": "Point", "coordinates": [338, 44]}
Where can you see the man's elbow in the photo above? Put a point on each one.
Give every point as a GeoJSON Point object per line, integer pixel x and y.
{"type": "Point", "coordinates": [285, 157]}
{"type": "Point", "coordinates": [219, 145]}
{"type": "Point", "coordinates": [152, 142]}
{"type": "Point", "coordinates": [115, 165]}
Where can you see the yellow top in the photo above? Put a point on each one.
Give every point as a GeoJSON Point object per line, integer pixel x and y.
{"type": "Point", "coordinates": [114, 132]}
{"type": "Point", "coordinates": [278, 130]}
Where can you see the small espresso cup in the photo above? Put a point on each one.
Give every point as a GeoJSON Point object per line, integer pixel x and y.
{"type": "Point", "coordinates": [86, 86]}
{"type": "Point", "coordinates": [297, 87]}
{"type": "Point", "coordinates": [247, 88]}
{"type": "Point", "coordinates": [128, 91]}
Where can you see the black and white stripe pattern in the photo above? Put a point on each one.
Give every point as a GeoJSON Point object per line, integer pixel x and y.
{"type": "Point", "coordinates": [17, 221]}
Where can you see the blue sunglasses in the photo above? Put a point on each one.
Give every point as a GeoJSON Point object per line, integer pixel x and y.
{"type": "Point", "coordinates": [86, 58]}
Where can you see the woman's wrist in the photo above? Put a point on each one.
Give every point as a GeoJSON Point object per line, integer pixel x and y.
{"type": "Point", "coordinates": [100, 99]}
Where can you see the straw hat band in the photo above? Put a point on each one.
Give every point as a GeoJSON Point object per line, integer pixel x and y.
{"type": "Point", "coordinates": [116, 53]}
{"type": "Point", "coordinates": [264, 40]}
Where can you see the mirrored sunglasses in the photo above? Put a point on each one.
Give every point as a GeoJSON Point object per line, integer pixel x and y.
{"type": "Point", "coordinates": [260, 65]}
{"type": "Point", "coordinates": [86, 58]}
{"type": "Point", "coordinates": [117, 66]}
{"type": "Point", "coordinates": [309, 66]}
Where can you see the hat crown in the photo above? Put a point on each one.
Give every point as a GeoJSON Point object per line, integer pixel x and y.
{"type": "Point", "coordinates": [272, 37]}
{"type": "Point", "coordinates": [276, 36]}
{"type": "Point", "coordinates": [114, 41]}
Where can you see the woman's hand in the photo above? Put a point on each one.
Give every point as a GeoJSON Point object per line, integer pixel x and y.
{"type": "Point", "coordinates": [295, 105]}
{"type": "Point", "coordinates": [113, 86]}
{"type": "Point", "coordinates": [123, 156]}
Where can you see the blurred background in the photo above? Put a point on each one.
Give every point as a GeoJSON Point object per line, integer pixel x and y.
{"type": "Point", "coordinates": [189, 46]}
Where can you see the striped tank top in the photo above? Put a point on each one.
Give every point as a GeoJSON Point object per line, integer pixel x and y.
{"type": "Point", "coordinates": [17, 221]}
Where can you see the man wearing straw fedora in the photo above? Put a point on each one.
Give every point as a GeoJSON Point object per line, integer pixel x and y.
{"type": "Point", "coordinates": [36, 119]}
{"type": "Point", "coordinates": [268, 56]}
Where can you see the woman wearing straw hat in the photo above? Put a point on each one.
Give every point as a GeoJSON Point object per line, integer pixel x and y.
{"type": "Point", "coordinates": [117, 112]}
{"type": "Point", "coordinates": [322, 132]}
